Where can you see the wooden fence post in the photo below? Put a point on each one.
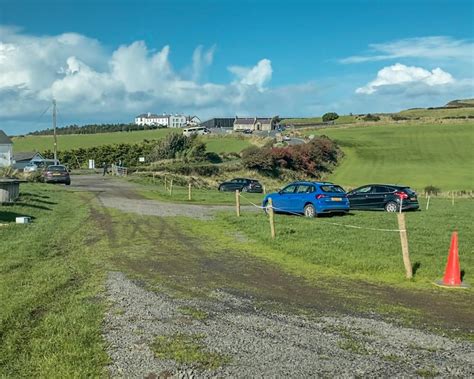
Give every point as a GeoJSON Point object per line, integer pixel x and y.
{"type": "Point", "coordinates": [237, 202]}
{"type": "Point", "coordinates": [171, 187]}
{"type": "Point", "coordinates": [164, 181]}
{"type": "Point", "coordinates": [404, 242]}
{"type": "Point", "coordinates": [271, 217]}
{"type": "Point", "coordinates": [189, 191]}
{"type": "Point", "coordinates": [264, 190]}
{"type": "Point", "coordinates": [452, 198]}
{"type": "Point", "coordinates": [428, 202]}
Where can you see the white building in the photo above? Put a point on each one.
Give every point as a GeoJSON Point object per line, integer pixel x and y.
{"type": "Point", "coordinates": [152, 119]}
{"type": "Point", "coordinates": [177, 121]}
{"type": "Point", "coordinates": [6, 150]}
{"type": "Point", "coordinates": [193, 120]}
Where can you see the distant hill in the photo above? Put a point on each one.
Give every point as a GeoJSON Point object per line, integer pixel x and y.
{"type": "Point", "coordinates": [465, 103]}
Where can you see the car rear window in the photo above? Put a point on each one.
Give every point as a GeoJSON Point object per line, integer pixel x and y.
{"type": "Point", "coordinates": [56, 168]}
{"type": "Point", "coordinates": [409, 191]}
{"type": "Point", "coordinates": [331, 188]}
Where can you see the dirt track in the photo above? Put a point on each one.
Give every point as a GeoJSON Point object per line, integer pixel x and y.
{"type": "Point", "coordinates": [251, 292]}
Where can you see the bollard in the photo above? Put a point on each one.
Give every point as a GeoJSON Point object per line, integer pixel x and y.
{"type": "Point", "coordinates": [428, 203]}
{"type": "Point", "coordinates": [237, 202]}
{"type": "Point", "coordinates": [271, 218]}
{"type": "Point", "coordinates": [189, 192]}
{"type": "Point", "coordinates": [404, 242]}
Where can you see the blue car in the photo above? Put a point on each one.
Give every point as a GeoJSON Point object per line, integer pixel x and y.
{"type": "Point", "coordinates": [309, 198]}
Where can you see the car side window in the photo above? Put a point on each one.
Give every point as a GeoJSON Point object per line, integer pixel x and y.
{"type": "Point", "coordinates": [381, 189]}
{"type": "Point", "coordinates": [364, 190]}
{"type": "Point", "coordinates": [305, 188]}
{"type": "Point", "coordinates": [289, 189]}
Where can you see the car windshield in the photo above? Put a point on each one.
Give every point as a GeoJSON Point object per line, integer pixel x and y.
{"type": "Point", "coordinates": [57, 168]}
{"type": "Point", "coordinates": [331, 188]}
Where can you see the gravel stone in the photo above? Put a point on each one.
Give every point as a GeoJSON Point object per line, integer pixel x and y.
{"type": "Point", "coordinates": [265, 343]}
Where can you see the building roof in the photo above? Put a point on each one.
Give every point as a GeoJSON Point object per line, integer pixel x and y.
{"type": "Point", "coordinates": [4, 139]}
{"type": "Point", "coordinates": [151, 115]}
{"type": "Point", "coordinates": [244, 121]}
{"type": "Point", "coordinates": [265, 120]}
{"type": "Point", "coordinates": [26, 156]}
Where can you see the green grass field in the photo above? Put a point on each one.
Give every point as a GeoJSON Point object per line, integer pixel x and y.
{"type": "Point", "coordinates": [411, 154]}
{"type": "Point", "coordinates": [74, 141]}
{"type": "Point", "coordinates": [50, 319]}
{"type": "Point", "coordinates": [438, 113]}
{"type": "Point", "coordinates": [343, 119]}
{"type": "Point", "coordinates": [226, 144]}
{"type": "Point", "coordinates": [326, 245]}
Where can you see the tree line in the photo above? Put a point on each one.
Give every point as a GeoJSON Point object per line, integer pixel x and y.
{"type": "Point", "coordinates": [94, 128]}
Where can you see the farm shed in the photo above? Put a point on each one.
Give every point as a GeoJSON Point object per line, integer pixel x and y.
{"type": "Point", "coordinates": [20, 160]}
{"type": "Point", "coordinates": [6, 150]}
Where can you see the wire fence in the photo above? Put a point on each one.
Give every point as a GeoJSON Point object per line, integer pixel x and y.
{"type": "Point", "coordinates": [276, 209]}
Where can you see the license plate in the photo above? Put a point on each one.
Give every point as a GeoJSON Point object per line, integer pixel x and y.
{"type": "Point", "coordinates": [413, 198]}
{"type": "Point", "coordinates": [57, 174]}
{"type": "Point", "coordinates": [336, 199]}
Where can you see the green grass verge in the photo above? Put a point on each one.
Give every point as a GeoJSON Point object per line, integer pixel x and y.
{"type": "Point", "coordinates": [408, 154]}
{"type": "Point", "coordinates": [75, 141]}
{"type": "Point", "coordinates": [50, 318]}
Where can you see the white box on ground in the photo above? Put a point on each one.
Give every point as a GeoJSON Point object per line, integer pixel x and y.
{"type": "Point", "coordinates": [23, 220]}
{"type": "Point", "coordinates": [91, 164]}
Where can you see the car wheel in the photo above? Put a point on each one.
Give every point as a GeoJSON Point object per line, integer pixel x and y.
{"type": "Point", "coordinates": [309, 210]}
{"type": "Point", "coordinates": [391, 206]}
{"type": "Point", "coordinates": [245, 189]}
{"type": "Point", "coordinates": [221, 189]}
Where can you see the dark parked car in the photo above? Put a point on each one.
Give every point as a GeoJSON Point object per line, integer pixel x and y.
{"type": "Point", "coordinates": [383, 197]}
{"type": "Point", "coordinates": [56, 174]}
{"type": "Point", "coordinates": [309, 198]}
{"type": "Point", "coordinates": [241, 184]}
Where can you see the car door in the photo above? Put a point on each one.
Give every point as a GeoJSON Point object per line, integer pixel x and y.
{"type": "Point", "coordinates": [301, 197]}
{"type": "Point", "coordinates": [284, 198]}
{"type": "Point", "coordinates": [379, 197]}
{"type": "Point", "coordinates": [359, 198]}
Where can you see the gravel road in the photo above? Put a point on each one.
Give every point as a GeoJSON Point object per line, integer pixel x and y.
{"type": "Point", "coordinates": [268, 344]}
{"type": "Point", "coordinates": [264, 336]}
{"type": "Point", "coordinates": [122, 195]}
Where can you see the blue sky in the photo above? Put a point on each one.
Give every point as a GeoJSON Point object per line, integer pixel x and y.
{"type": "Point", "coordinates": [106, 61]}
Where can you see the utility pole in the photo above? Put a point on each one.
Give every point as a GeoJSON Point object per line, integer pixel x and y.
{"type": "Point", "coordinates": [54, 131]}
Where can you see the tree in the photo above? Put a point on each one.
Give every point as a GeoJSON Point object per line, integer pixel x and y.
{"type": "Point", "coordinates": [330, 116]}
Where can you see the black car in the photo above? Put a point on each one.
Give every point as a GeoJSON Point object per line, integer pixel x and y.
{"type": "Point", "coordinates": [241, 184]}
{"type": "Point", "coordinates": [383, 197]}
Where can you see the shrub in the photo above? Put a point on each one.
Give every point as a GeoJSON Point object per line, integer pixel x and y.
{"type": "Point", "coordinates": [330, 116]}
{"type": "Point", "coordinates": [432, 190]}
{"type": "Point", "coordinates": [371, 117]}
{"type": "Point", "coordinates": [258, 159]}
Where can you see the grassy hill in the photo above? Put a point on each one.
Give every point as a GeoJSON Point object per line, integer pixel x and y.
{"type": "Point", "coordinates": [417, 155]}
{"type": "Point", "coordinates": [74, 141]}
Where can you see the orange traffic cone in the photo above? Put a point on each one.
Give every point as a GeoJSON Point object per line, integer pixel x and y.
{"type": "Point", "coordinates": [452, 274]}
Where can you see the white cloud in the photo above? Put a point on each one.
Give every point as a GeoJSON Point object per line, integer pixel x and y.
{"type": "Point", "coordinates": [399, 74]}
{"type": "Point", "coordinates": [434, 47]}
{"type": "Point", "coordinates": [257, 76]}
{"type": "Point", "coordinates": [88, 82]}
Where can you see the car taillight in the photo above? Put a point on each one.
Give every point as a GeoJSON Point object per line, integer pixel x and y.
{"type": "Point", "coordinates": [320, 196]}
{"type": "Point", "coordinates": [401, 195]}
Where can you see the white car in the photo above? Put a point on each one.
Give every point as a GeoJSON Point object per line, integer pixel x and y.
{"type": "Point", "coordinates": [286, 138]}
{"type": "Point", "coordinates": [30, 167]}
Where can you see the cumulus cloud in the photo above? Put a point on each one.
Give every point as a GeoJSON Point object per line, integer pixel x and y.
{"type": "Point", "coordinates": [433, 47]}
{"type": "Point", "coordinates": [257, 76]}
{"type": "Point", "coordinates": [399, 74]}
{"type": "Point", "coordinates": [87, 81]}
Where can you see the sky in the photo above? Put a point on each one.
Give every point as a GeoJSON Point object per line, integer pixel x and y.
{"type": "Point", "coordinates": [107, 61]}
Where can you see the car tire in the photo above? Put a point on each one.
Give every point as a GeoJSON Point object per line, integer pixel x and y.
{"type": "Point", "coordinates": [68, 183]}
{"type": "Point", "coordinates": [221, 189]}
{"type": "Point", "coordinates": [309, 210]}
{"type": "Point", "coordinates": [245, 189]}
{"type": "Point", "coordinates": [391, 206]}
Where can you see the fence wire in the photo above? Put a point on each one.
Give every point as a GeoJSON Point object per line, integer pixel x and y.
{"type": "Point", "coordinates": [322, 221]}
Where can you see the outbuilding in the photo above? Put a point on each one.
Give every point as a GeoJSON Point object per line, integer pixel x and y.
{"type": "Point", "coordinates": [6, 150]}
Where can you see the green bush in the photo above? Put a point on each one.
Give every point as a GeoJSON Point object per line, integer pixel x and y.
{"type": "Point", "coordinates": [330, 116]}
{"type": "Point", "coordinates": [432, 190]}
{"type": "Point", "coordinates": [371, 117]}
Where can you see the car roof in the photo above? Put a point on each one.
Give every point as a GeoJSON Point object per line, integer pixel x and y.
{"type": "Point", "coordinates": [312, 183]}
{"type": "Point", "coordinates": [385, 185]}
